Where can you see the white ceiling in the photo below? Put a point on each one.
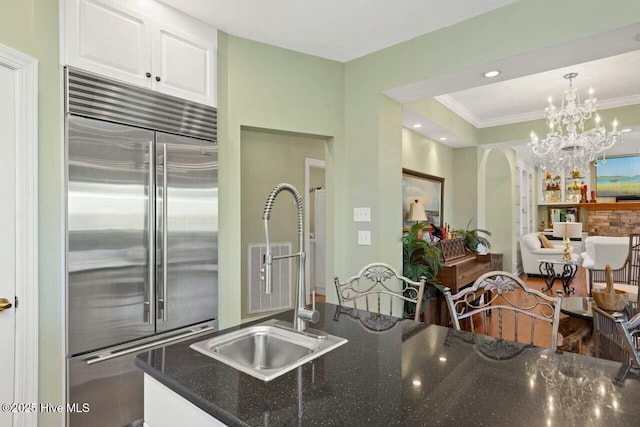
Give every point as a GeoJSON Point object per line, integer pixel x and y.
{"type": "Point", "coordinates": [335, 29]}
{"type": "Point", "coordinates": [342, 30]}
{"type": "Point", "coordinates": [608, 62]}
{"type": "Point", "coordinates": [615, 80]}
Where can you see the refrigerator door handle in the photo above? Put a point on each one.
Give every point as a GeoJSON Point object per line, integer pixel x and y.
{"type": "Point", "coordinates": [165, 235]}
{"type": "Point", "coordinates": [150, 306]}
{"type": "Point", "coordinates": [142, 347]}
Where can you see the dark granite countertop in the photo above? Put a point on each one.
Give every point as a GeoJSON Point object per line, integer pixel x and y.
{"type": "Point", "coordinates": [409, 374]}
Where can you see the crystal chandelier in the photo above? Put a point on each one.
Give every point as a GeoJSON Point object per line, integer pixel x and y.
{"type": "Point", "coordinates": [568, 145]}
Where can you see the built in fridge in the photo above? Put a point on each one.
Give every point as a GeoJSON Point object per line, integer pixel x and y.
{"type": "Point", "coordinates": [142, 227]}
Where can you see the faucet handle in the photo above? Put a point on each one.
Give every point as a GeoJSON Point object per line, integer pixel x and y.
{"type": "Point", "coordinates": [309, 315]}
{"type": "Point", "coordinates": [313, 300]}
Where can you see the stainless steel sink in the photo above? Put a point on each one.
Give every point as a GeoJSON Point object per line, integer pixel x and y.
{"type": "Point", "coordinates": [267, 350]}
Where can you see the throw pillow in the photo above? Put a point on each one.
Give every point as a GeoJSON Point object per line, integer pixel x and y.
{"type": "Point", "coordinates": [531, 241]}
{"type": "Point", "coordinates": [545, 242]}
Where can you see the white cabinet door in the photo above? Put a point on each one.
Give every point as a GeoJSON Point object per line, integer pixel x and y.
{"type": "Point", "coordinates": [184, 64]}
{"type": "Point", "coordinates": [166, 408]}
{"type": "Point", "coordinates": [108, 41]}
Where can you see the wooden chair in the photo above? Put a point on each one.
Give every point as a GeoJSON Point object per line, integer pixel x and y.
{"type": "Point", "coordinates": [508, 294]}
{"type": "Point", "coordinates": [380, 289]}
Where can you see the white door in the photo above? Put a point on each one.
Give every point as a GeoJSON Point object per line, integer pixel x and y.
{"type": "Point", "coordinates": [19, 231]}
{"type": "Point", "coordinates": [7, 242]}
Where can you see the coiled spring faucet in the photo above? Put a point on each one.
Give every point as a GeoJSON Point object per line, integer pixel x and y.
{"type": "Point", "coordinates": [301, 314]}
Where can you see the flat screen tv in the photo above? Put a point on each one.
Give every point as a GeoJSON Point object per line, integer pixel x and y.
{"type": "Point", "coordinates": [619, 177]}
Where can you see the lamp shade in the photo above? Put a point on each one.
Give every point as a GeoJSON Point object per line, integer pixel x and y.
{"type": "Point", "coordinates": [568, 230]}
{"type": "Point", "coordinates": [417, 211]}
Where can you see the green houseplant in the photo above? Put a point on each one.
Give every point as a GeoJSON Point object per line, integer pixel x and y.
{"type": "Point", "coordinates": [420, 258]}
{"type": "Point", "coordinates": [473, 238]}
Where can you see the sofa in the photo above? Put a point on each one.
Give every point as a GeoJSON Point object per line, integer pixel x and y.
{"type": "Point", "coordinates": [532, 252]}
{"type": "Point", "coordinates": [603, 250]}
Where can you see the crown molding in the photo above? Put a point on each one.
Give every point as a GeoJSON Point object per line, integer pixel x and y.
{"type": "Point", "coordinates": [462, 111]}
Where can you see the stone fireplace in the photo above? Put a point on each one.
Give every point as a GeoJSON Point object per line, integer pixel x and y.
{"type": "Point", "coordinates": [612, 219]}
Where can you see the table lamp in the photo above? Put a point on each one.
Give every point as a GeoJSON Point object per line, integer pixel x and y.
{"type": "Point", "coordinates": [417, 214]}
{"type": "Point", "coordinates": [567, 230]}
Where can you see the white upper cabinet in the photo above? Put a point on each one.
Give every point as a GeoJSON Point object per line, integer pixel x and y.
{"type": "Point", "coordinates": [108, 41]}
{"type": "Point", "coordinates": [183, 65]}
{"type": "Point", "coordinates": [155, 47]}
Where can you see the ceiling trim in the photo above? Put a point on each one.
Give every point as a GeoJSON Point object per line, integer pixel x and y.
{"type": "Point", "coordinates": [452, 104]}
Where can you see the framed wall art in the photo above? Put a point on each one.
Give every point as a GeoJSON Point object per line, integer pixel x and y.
{"type": "Point", "coordinates": [428, 190]}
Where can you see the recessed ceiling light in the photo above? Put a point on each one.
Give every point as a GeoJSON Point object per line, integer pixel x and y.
{"type": "Point", "coordinates": [417, 126]}
{"type": "Point", "coordinates": [492, 73]}
{"type": "Point", "coordinates": [443, 138]}
{"type": "Point", "coordinates": [625, 130]}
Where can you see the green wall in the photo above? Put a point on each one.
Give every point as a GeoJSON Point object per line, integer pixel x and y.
{"type": "Point", "coordinates": [468, 206]}
{"type": "Point", "coordinates": [478, 186]}
{"type": "Point", "coordinates": [370, 118]}
{"type": "Point", "coordinates": [267, 87]}
{"type": "Point", "coordinates": [262, 86]}
{"type": "Point", "coordinates": [424, 155]}
{"type": "Point", "coordinates": [444, 117]}
{"type": "Point", "coordinates": [267, 159]}
{"type": "Point", "coordinates": [31, 27]}
{"type": "Point", "coordinates": [499, 207]}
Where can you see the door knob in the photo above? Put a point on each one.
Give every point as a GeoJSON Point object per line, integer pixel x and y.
{"type": "Point", "coordinates": [4, 304]}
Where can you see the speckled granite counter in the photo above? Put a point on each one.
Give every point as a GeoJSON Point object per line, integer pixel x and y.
{"type": "Point", "coordinates": [410, 374]}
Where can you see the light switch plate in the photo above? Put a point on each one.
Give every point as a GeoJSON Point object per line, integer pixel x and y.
{"type": "Point", "coordinates": [364, 237]}
{"type": "Point", "coordinates": [362, 214]}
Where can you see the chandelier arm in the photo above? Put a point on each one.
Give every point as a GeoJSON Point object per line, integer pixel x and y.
{"type": "Point", "coordinates": [567, 144]}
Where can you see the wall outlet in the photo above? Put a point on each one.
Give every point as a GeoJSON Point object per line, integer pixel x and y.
{"type": "Point", "coordinates": [362, 214]}
{"type": "Point", "coordinates": [364, 237]}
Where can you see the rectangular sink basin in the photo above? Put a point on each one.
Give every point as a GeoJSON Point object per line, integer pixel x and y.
{"type": "Point", "coordinates": [267, 350]}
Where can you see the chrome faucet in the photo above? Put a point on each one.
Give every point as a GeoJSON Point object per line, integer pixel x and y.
{"type": "Point", "coordinates": [301, 314]}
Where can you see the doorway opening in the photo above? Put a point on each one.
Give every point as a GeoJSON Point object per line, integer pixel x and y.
{"type": "Point", "coordinates": [315, 226]}
{"type": "Point", "coordinates": [270, 157]}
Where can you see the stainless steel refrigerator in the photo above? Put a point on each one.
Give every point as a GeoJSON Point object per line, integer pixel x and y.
{"type": "Point", "coordinates": [142, 257]}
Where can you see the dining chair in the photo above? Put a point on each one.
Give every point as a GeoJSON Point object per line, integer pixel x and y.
{"type": "Point", "coordinates": [380, 289]}
{"type": "Point", "coordinates": [631, 332]}
{"type": "Point", "coordinates": [512, 301]}
{"type": "Point", "coordinates": [625, 278]}
{"type": "Point", "coordinates": [608, 337]}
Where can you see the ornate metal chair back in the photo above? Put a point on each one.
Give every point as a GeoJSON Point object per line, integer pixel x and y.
{"type": "Point", "coordinates": [503, 295]}
{"type": "Point", "coordinates": [380, 289]}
